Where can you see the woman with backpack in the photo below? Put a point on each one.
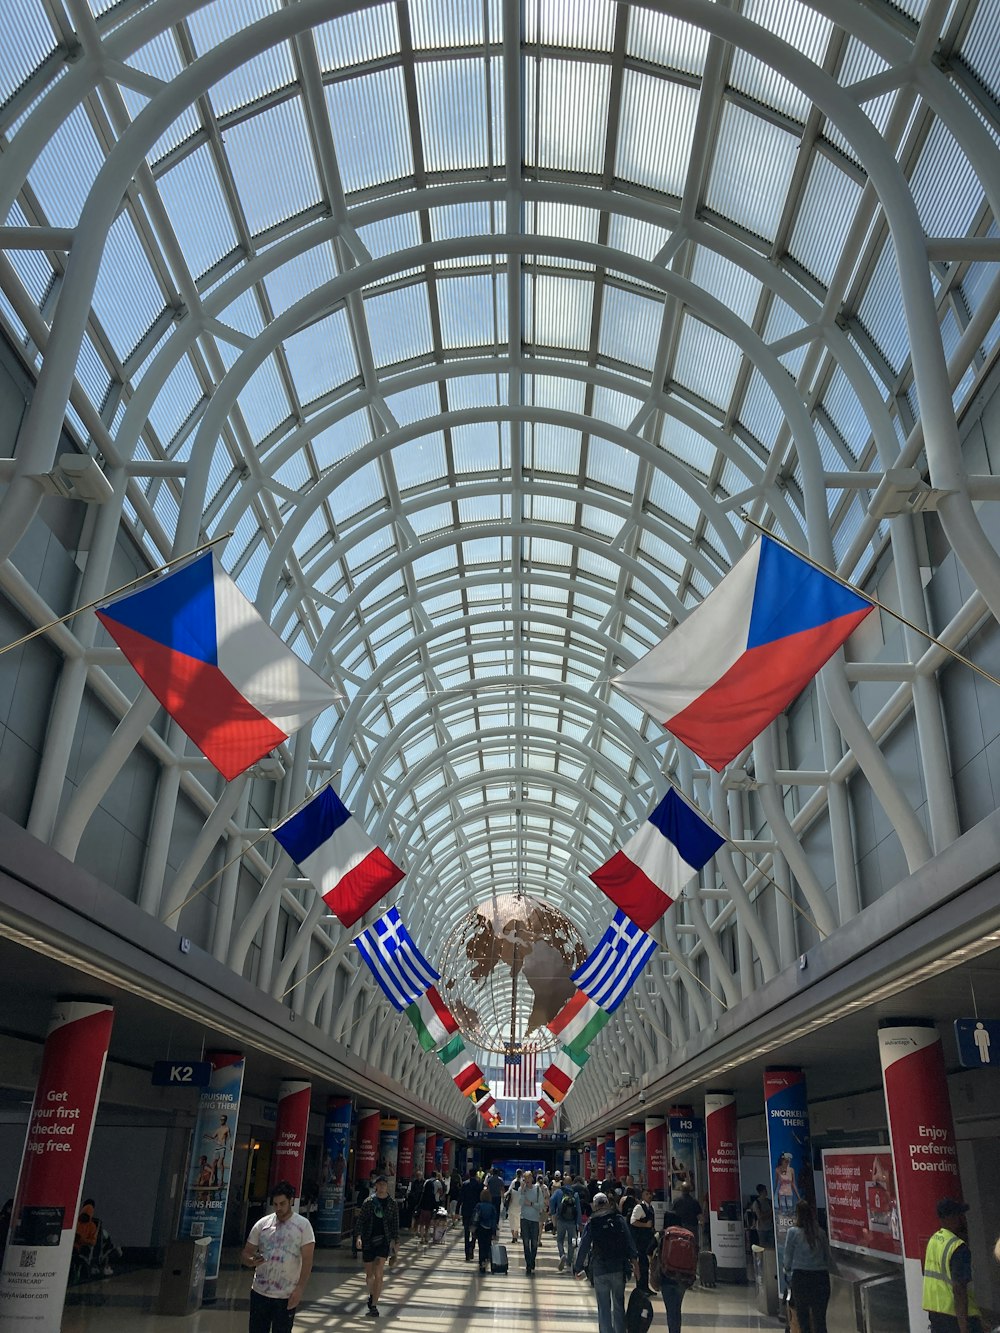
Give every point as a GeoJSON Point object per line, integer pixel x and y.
{"type": "Point", "coordinates": [674, 1267]}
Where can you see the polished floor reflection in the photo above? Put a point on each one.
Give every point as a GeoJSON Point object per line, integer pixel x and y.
{"type": "Point", "coordinates": [431, 1290]}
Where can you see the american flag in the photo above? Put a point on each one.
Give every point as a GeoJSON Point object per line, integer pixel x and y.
{"type": "Point", "coordinates": [519, 1072]}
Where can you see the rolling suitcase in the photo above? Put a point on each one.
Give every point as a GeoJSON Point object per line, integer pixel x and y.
{"type": "Point", "coordinates": [498, 1258]}
{"type": "Point", "coordinates": [707, 1268]}
{"type": "Point", "coordinates": [639, 1312]}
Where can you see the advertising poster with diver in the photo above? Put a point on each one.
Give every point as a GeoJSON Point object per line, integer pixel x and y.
{"type": "Point", "coordinates": [685, 1139]}
{"type": "Point", "coordinates": [333, 1169]}
{"type": "Point", "coordinates": [637, 1151]}
{"type": "Point", "coordinates": [388, 1152]}
{"type": "Point", "coordinates": [788, 1148]}
{"type": "Point", "coordinates": [206, 1189]}
{"type": "Point", "coordinates": [862, 1213]}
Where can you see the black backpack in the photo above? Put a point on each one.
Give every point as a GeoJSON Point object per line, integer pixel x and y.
{"type": "Point", "coordinates": [567, 1207]}
{"type": "Point", "coordinates": [609, 1239]}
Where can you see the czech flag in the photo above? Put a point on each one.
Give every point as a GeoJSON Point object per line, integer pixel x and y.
{"type": "Point", "coordinates": [335, 852]}
{"type": "Point", "coordinates": [218, 669]}
{"type": "Point", "coordinates": [649, 872]}
{"type": "Point", "coordinates": [743, 655]}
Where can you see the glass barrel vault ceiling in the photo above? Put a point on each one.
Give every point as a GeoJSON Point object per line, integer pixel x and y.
{"type": "Point", "coordinates": [478, 323]}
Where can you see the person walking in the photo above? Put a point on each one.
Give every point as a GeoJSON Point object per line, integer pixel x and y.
{"type": "Point", "coordinates": [532, 1212]}
{"type": "Point", "coordinates": [808, 1263]}
{"type": "Point", "coordinates": [609, 1240]}
{"type": "Point", "coordinates": [468, 1199]}
{"type": "Point", "coordinates": [947, 1291]}
{"type": "Point", "coordinates": [564, 1209]}
{"type": "Point", "coordinates": [673, 1284]}
{"type": "Point", "coordinates": [486, 1219]}
{"type": "Point", "coordinates": [642, 1222]}
{"type": "Point", "coordinates": [378, 1227]}
{"type": "Point", "coordinates": [280, 1251]}
{"type": "Point", "coordinates": [763, 1215]}
{"type": "Point", "coordinates": [688, 1210]}
{"type": "Point", "coordinates": [428, 1203]}
{"type": "Point", "coordinates": [512, 1206]}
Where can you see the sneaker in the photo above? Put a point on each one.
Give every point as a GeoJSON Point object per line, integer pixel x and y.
{"type": "Point", "coordinates": [562, 1264]}
{"type": "Point", "coordinates": [369, 1301]}
{"type": "Point", "coordinates": [373, 1312]}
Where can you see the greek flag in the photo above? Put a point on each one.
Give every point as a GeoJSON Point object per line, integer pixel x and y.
{"type": "Point", "coordinates": [614, 965]}
{"type": "Point", "coordinates": [395, 961]}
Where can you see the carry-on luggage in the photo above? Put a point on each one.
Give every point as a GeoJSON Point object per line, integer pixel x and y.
{"type": "Point", "coordinates": [707, 1268]}
{"type": "Point", "coordinates": [638, 1312]}
{"type": "Point", "coordinates": [498, 1258]}
{"type": "Point", "coordinates": [440, 1226]}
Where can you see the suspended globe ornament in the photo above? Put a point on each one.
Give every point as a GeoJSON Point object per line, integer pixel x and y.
{"type": "Point", "coordinates": [505, 970]}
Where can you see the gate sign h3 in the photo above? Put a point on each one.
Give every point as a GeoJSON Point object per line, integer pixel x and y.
{"type": "Point", "coordinates": [978, 1041]}
{"type": "Point", "coordinates": [182, 1073]}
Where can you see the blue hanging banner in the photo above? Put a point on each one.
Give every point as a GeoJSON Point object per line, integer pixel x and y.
{"type": "Point", "coordinates": [206, 1190]}
{"type": "Point", "coordinates": [333, 1170]}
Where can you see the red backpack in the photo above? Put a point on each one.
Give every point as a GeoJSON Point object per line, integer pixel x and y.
{"type": "Point", "coordinates": [679, 1256]}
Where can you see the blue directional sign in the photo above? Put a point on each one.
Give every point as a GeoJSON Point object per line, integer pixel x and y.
{"type": "Point", "coordinates": [182, 1073]}
{"type": "Point", "coordinates": [978, 1042]}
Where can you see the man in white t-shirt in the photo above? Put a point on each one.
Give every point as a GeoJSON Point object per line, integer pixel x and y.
{"type": "Point", "coordinates": [280, 1250]}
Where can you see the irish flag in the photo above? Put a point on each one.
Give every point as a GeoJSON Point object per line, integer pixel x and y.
{"type": "Point", "coordinates": [578, 1022]}
{"type": "Point", "coordinates": [558, 1078]}
{"type": "Point", "coordinates": [434, 1021]}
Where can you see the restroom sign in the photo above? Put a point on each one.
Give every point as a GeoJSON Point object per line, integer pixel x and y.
{"type": "Point", "coordinates": [978, 1042]}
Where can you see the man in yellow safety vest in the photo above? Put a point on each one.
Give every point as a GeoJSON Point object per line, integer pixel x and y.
{"type": "Point", "coordinates": [948, 1297]}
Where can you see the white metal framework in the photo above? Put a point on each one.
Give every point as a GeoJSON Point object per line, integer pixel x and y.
{"type": "Point", "coordinates": [479, 322]}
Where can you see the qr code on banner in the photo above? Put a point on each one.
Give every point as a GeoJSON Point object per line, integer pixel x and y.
{"type": "Point", "coordinates": [29, 1259]}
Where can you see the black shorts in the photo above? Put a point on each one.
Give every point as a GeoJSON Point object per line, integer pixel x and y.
{"type": "Point", "coordinates": [380, 1250]}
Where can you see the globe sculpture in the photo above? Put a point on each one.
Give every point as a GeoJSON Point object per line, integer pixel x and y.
{"type": "Point", "coordinates": [505, 970]}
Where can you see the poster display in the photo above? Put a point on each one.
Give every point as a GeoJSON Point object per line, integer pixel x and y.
{"type": "Point", "coordinates": [723, 1166]}
{"type": "Point", "coordinates": [789, 1151]}
{"type": "Point", "coordinates": [656, 1163]}
{"type": "Point", "coordinates": [206, 1190]}
{"type": "Point", "coordinates": [291, 1130]}
{"type": "Point", "coordinates": [430, 1153]}
{"type": "Point", "coordinates": [637, 1152]}
{"type": "Point", "coordinates": [333, 1171]}
{"type": "Point", "coordinates": [419, 1151]}
{"type": "Point", "coordinates": [684, 1138]}
{"type": "Point", "coordinates": [366, 1157]}
{"type": "Point", "coordinates": [388, 1152]}
{"type": "Point", "coordinates": [609, 1155]}
{"type": "Point", "coordinates": [37, 1259]}
{"type": "Point", "coordinates": [862, 1212]}
{"type": "Point", "coordinates": [600, 1158]}
{"type": "Point", "coordinates": [621, 1152]}
{"type": "Point", "coordinates": [404, 1158]}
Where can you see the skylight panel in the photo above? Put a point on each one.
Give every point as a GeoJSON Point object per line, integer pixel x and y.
{"type": "Point", "coordinates": [612, 465]}
{"type": "Point", "coordinates": [881, 310]}
{"type": "Point", "coordinates": [634, 237]}
{"type": "Point", "coordinates": [413, 404]}
{"type": "Point", "coordinates": [593, 518]}
{"type": "Point", "coordinates": [663, 557]}
{"type": "Point", "coordinates": [754, 160]}
{"type": "Point", "coordinates": [550, 509]}
{"type": "Point", "coordinates": [65, 170]}
{"type": "Point", "coordinates": [321, 357]}
{"type": "Point", "coordinates": [473, 391]}
{"type": "Point", "coordinates": [466, 307]}
{"type": "Point", "coordinates": [127, 297]}
{"type": "Point", "coordinates": [553, 391]}
{"type": "Point", "coordinates": [451, 96]}
{"type": "Point", "coordinates": [271, 161]}
{"type": "Point", "coordinates": [645, 155]}
{"type": "Point", "coordinates": [799, 26]}
{"type": "Point", "coordinates": [478, 448]}
{"type": "Point", "coordinates": [431, 519]}
{"type": "Point", "coordinates": [480, 509]}
{"type": "Point", "coordinates": [391, 235]}
{"type": "Point", "coordinates": [474, 218]}
{"type": "Point", "coordinates": [31, 266]}
{"type": "Point", "coordinates": [419, 462]}
{"type": "Point", "coordinates": [545, 551]}
{"type": "Point", "coordinates": [630, 327]}
{"type": "Point", "coordinates": [28, 40]}
{"type": "Point", "coordinates": [260, 76]}
{"type": "Point", "coordinates": [567, 114]}
{"type": "Point", "coordinates": [553, 448]}
{"type": "Point", "coordinates": [160, 58]}
{"type": "Point", "coordinates": [829, 202]}
{"type": "Point", "coordinates": [337, 442]}
{"type": "Point", "coordinates": [665, 40]}
{"type": "Point", "coordinates": [300, 276]}
{"type": "Point", "coordinates": [371, 128]}
{"type": "Point", "coordinates": [707, 362]}
{"type": "Point", "coordinates": [567, 221]}
{"type": "Point", "coordinates": [263, 401]}
{"type": "Point", "coordinates": [313, 531]}
{"type": "Point", "coordinates": [613, 406]}
{"type": "Point", "coordinates": [761, 413]}
{"type": "Point", "coordinates": [399, 324]}
{"type": "Point", "coordinates": [945, 188]}
{"type": "Point", "coordinates": [588, 25]}
{"type": "Point", "coordinates": [847, 414]}
{"type": "Point", "coordinates": [166, 509]}
{"type": "Point", "coordinates": [861, 62]}
{"type": "Point", "coordinates": [729, 283]}
{"type": "Point", "coordinates": [979, 50]}
{"type": "Point", "coordinates": [687, 445]}
{"type": "Point", "coordinates": [357, 493]}
{"type": "Point", "coordinates": [176, 401]}
{"type": "Point", "coordinates": [295, 473]}
{"type": "Point", "coordinates": [244, 315]}
{"type": "Point", "coordinates": [354, 39]}
{"type": "Point", "coordinates": [197, 209]}
{"type": "Point", "coordinates": [558, 311]}
{"type": "Point", "coordinates": [92, 373]}
{"type": "Point", "coordinates": [596, 565]}
{"type": "Point", "coordinates": [440, 24]}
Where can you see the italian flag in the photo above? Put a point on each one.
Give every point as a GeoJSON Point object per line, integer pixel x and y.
{"type": "Point", "coordinates": [434, 1021]}
{"type": "Point", "coordinates": [578, 1022]}
{"type": "Point", "coordinates": [558, 1078]}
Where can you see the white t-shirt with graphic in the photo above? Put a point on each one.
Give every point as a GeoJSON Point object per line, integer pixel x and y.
{"type": "Point", "coordinates": [281, 1245]}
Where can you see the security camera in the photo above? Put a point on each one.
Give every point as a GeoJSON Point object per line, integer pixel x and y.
{"type": "Point", "coordinates": [642, 1097]}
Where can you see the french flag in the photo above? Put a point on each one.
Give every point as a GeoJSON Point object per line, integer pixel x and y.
{"type": "Point", "coordinates": [218, 669]}
{"type": "Point", "coordinates": [743, 655]}
{"type": "Point", "coordinates": [332, 849]}
{"type": "Point", "coordinates": [647, 875]}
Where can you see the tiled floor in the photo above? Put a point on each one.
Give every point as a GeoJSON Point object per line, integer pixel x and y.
{"type": "Point", "coordinates": [430, 1290]}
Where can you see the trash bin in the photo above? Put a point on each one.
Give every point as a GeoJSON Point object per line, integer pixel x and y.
{"type": "Point", "coordinates": [182, 1281]}
{"type": "Point", "coordinates": [765, 1279]}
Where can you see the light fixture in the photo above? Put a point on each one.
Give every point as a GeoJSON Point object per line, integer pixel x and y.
{"type": "Point", "coordinates": [76, 477]}
{"type": "Point", "coordinates": [903, 490]}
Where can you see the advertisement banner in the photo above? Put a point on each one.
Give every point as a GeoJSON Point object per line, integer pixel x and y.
{"type": "Point", "coordinates": [419, 1151]}
{"type": "Point", "coordinates": [601, 1158]}
{"type": "Point", "coordinates": [333, 1172]}
{"type": "Point", "coordinates": [291, 1130]}
{"type": "Point", "coordinates": [447, 1155]}
{"type": "Point", "coordinates": [404, 1158]}
{"type": "Point", "coordinates": [922, 1134]}
{"type": "Point", "coordinates": [684, 1133]}
{"type": "Point", "coordinates": [723, 1162]}
{"type": "Point", "coordinates": [430, 1153]}
{"type": "Point", "coordinates": [862, 1213]}
{"type": "Point", "coordinates": [590, 1151]}
{"type": "Point", "coordinates": [438, 1152]}
{"type": "Point", "coordinates": [388, 1152]}
{"type": "Point", "coordinates": [621, 1152]}
{"type": "Point", "coordinates": [36, 1262]}
{"type": "Point", "coordinates": [637, 1152]}
{"type": "Point", "coordinates": [609, 1155]}
{"type": "Point", "coordinates": [789, 1150]}
{"type": "Point", "coordinates": [366, 1155]}
{"type": "Point", "coordinates": [206, 1190]}
{"type": "Point", "coordinates": [656, 1163]}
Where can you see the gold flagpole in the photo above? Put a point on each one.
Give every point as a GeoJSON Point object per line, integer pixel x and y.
{"type": "Point", "coordinates": [107, 596]}
{"type": "Point", "coordinates": [868, 597]}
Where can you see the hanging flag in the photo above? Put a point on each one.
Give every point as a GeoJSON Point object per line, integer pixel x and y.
{"type": "Point", "coordinates": [469, 1081]}
{"type": "Point", "coordinates": [400, 969]}
{"type": "Point", "coordinates": [335, 852]}
{"type": "Point", "coordinates": [434, 1021]}
{"type": "Point", "coordinates": [493, 1119]}
{"type": "Point", "coordinates": [558, 1078]}
{"type": "Point", "coordinates": [519, 1070]}
{"type": "Point", "coordinates": [578, 1022]}
{"type": "Point", "coordinates": [741, 657]}
{"type": "Point", "coordinates": [215, 665]}
{"type": "Point", "coordinates": [451, 1052]}
{"type": "Point", "coordinates": [485, 1107]}
{"type": "Point", "coordinates": [462, 1069]}
{"type": "Point", "coordinates": [545, 1113]}
{"type": "Point", "coordinates": [645, 877]}
{"type": "Point", "coordinates": [613, 966]}
{"type": "Point", "coordinates": [478, 1093]}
